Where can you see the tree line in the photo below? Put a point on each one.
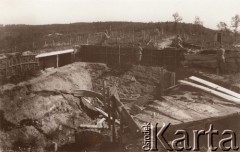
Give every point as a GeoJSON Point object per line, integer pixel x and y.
{"type": "Point", "coordinates": [34, 37]}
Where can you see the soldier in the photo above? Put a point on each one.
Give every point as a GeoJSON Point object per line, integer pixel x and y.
{"type": "Point", "coordinates": [139, 51]}
{"type": "Point", "coordinates": [178, 41]}
{"type": "Point", "coordinates": [105, 37]}
{"type": "Point", "coordinates": [220, 56]}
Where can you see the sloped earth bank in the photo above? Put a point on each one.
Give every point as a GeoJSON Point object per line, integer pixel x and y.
{"type": "Point", "coordinates": [131, 81]}
{"type": "Point", "coordinates": [41, 113]}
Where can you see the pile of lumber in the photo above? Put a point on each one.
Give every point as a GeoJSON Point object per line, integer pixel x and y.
{"type": "Point", "coordinates": [212, 88]}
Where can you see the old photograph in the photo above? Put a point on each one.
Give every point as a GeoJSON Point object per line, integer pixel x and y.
{"type": "Point", "coordinates": [119, 75]}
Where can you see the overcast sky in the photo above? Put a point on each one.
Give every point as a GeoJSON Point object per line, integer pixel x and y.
{"type": "Point", "coordinates": [70, 11]}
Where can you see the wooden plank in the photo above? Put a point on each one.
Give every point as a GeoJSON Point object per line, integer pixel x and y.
{"type": "Point", "coordinates": [92, 126]}
{"type": "Point", "coordinates": [215, 86]}
{"type": "Point", "coordinates": [88, 93]}
{"type": "Point", "coordinates": [214, 92]}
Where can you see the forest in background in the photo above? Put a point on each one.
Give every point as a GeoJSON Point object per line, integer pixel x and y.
{"type": "Point", "coordinates": [36, 37]}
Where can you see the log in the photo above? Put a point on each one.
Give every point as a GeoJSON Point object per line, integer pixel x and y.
{"type": "Point", "coordinates": [213, 92]}
{"type": "Point", "coordinates": [215, 86]}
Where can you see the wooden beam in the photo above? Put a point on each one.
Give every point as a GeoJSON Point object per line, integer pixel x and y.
{"type": "Point", "coordinates": [104, 94]}
{"type": "Point", "coordinates": [92, 126]}
{"type": "Point", "coordinates": [88, 93]}
{"type": "Point", "coordinates": [215, 86]}
{"type": "Point", "coordinates": [134, 128]}
{"type": "Point", "coordinates": [213, 92]}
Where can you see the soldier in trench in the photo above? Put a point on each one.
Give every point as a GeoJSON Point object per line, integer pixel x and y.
{"type": "Point", "coordinates": [220, 56]}
{"type": "Point", "coordinates": [105, 37]}
{"type": "Point", "coordinates": [178, 42]}
{"type": "Point", "coordinates": [139, 51]}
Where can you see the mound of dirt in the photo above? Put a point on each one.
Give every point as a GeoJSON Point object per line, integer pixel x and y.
{"type": "Point", "coordinates": [42, 112]}
{"type": "Point", "coordinates": [131, 81]}
{"type": "Point", "coordinates": [43, 108]}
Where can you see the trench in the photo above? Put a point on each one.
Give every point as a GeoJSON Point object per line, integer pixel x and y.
{"type": "Point", "coordinates": [132, 82]}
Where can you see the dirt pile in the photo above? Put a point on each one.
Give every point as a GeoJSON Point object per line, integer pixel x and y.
{"type": "Point", "coordinates": [41, 111]}
{"type": "Point", "coordinates": [131, 81]}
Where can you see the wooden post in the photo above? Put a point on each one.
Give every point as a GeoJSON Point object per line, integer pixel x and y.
{"type": "Point", "coordinates": [104, 94]}
{"type": "Point", "coordinates": [21, 65]}
{"type": "Point", "coordinates": [151, 58]}
{"type": "Point", "coordinates": [121, 130]}
{"type": "Point", "coordinates": [108, 109]}
{"type": "Point", "coordinates": [119, 55]}
{"type": "Point", "coordinates": [106, 58]}
{"type": "Point", "coordinates": [174, 78]}
{"type": "Point", "coordinates": [161, 77]}
{"type": "Point", "coordinates": [57, 61]}
{"type": "Point", "coordinates": [113, 111]}
{"type": "Point", "coordinates": [133, 36]}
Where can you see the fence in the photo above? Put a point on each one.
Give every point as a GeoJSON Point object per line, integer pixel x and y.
{"type": "Point", "coordinates": [21, 65]}
{"type": "Point", "coordinates": [126, 55]}
{"type": "Point", "coordinates": [17, 66]}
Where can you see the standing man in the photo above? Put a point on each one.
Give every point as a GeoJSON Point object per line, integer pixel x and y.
{"type": "Point", "coordinates": [220, 60]}
{"type": "Point", "coordinates": [178, 41]}
{"type": "Point", "coordinates": [139, 51]}
{"type": "Point", "coordinates": [105, 37]}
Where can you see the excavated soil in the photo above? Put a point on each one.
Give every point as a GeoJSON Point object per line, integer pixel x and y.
{"type": "Point", "coordinates": [39, 113]}
{"type": "Point", "coordinates": [131, 81]}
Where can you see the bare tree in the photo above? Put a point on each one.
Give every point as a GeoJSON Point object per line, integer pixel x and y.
{"type": "Point", "coordinates": [222, 26]}
{"type": "Point", "coordinates": [177, 17]}
{"type": "Point", "coordinates": [198, 21]}
{"type": "Point", "coordinates": [235, 24]}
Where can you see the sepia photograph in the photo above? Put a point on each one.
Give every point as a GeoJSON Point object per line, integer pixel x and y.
{"type": "Point", "coordinates": [119, 75]}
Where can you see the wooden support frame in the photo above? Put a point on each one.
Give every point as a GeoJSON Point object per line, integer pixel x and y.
{"type": "Point", "coordinates": [119, 107]}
